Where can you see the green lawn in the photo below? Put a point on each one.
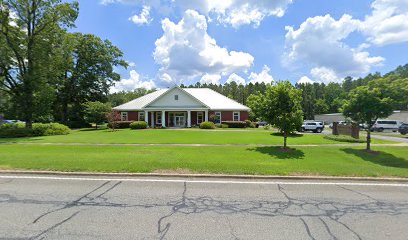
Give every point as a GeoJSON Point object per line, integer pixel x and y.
{"type": "Point", "coordinates": [328, 160]}
{"type": "Point", "coordinates": [189, 136]}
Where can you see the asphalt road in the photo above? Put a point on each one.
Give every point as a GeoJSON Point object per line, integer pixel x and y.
{"type": "Point", "coordinates": [114, 208]}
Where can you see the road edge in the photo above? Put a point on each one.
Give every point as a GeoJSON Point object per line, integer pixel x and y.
{"type": "Point", "coordinates": [215, 176]}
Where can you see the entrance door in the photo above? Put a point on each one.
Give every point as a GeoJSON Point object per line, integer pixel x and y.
{"type": "Point", "coordinates": [179, 121]}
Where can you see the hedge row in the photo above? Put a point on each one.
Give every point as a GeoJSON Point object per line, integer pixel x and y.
{"type": "Point", "coordinates": [38, 129]}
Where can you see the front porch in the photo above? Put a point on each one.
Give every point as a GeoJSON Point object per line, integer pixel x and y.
{"type": "Point", "coordinates": [175, 118]}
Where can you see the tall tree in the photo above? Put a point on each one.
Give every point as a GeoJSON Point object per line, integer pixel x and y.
{"type": "Point", "coordinates": [280, 106]}
{"type": "Point", "coordinates": [366, 105]}
{"type": "Point", "coordinates": [88, 64]}
{"type": "Point", "coordinates": [29, 31]}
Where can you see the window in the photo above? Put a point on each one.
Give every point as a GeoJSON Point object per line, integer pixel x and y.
{"type": "Point", "coordinates": [217, 117]}
{"type": "Point", "coordinates": [158, 118]}
{"type": "Point", "coordinates": [141, 116]}
{"type": "Point", "coordinates": [199, 117]}
{"type": "Point", "coordinates": [175, 97]}
{"type": "Point", "coordinates": [124, 116]}
{"type": "Point", "coordinates": [236, 116]}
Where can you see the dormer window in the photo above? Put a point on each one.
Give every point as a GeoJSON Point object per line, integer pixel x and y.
{"type": "Point", "coordinates": [175, 97]}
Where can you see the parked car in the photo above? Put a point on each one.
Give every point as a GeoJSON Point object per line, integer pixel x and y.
{"type": "Point", "coordinates": [403, 129]}
{"type": "Point", "coordinates": [340, 122]}
{"type": "Point", "coordinates": [316, 127]}
{"type": "Point", "coordinates": [381, 125]}
{"type": "Point", "coordinates": [261, 124]}
{"type": "Point", "coordinates": [10, 122]}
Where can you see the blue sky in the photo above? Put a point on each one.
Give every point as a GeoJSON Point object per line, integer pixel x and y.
{"type": "Point", "coordinates": [244, 41]}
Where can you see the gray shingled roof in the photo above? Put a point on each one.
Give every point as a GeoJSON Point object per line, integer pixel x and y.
{"type": "Point", "coordinates": [213, 99]}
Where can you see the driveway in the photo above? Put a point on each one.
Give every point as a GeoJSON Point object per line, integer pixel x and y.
{"type": "Point", "coordinates": [36, 207]}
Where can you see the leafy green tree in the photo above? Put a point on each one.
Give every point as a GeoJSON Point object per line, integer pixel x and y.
{"type": "Point", "coordinates": [116, 99]}
{"type": "Point", "coordinates": [309, 99]}
{"type": "Point", "coordinates": [321, 106]}
{"type": "Point", "coordinates": [279, 106]}
{"type": "Point", "coordinates": [30, 30]}
{"type": "Point", "coordinates": [96, 112]}
{"type": "Point", "coordinates": [366, 105]}
{"type": "Point", "coordinates": [88, 64]}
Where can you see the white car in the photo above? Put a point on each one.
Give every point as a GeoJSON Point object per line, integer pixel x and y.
{"type": "Point", "coordinates": [316, 127]}
{"type": "Point", "coordinates": [381, 125]}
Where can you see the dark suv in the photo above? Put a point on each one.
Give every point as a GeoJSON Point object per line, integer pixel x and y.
{"type": "Point", "coordinates": [403, 129]}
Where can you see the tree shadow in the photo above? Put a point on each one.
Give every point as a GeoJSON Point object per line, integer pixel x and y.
{"type": "Point", "coordinates": [378, 157]}
{"type": "Point", "coordinates": [292, 135]}
{"type": "Point", "coordinates": [92, 129]}
{"type": "Point", "coordinates": [280, 153]}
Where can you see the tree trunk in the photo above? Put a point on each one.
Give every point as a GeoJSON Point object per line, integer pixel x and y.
{"type": "Point", "coordinates": [368, 148]}
{"type": "Point", "coordinates": [284, 140]}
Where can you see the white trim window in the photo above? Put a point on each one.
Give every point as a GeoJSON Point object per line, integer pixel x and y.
{"type": "Point", "coordinates": [158, 118]}
{"type": "Point", "coordinates": [217, 118]}
{"type": "Point", "coordinates": [236, 116]}
{"type": "Point", "coordinates": [124, 116]}
{"type": "Point", "coordinates": [141, 116]}
{"type": "Point", "coordinates": [200, 117]}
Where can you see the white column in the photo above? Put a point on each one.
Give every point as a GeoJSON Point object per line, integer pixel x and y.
{"type": "Point", "coordinates": [153, 120]}
{"type": "Point", "coordinates": [147, 117]}
{"type": "Point", "coordinates": [163, 118]}
{"type": "Point", "coordinates": [206, 115]}
{"type": "Point", "coordinates": [189, 119]}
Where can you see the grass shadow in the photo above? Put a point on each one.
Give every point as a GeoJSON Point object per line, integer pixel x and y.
{"type": "Point", "coordinates": [378, 157]}
{"type": "Point", "coordinates": [92, 129]}
{"type": "Point", "coordinates": [292, 135]}
{"type": "Point", "coordinates": [280, 153]}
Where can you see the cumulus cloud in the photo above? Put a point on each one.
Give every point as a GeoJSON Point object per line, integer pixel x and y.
{"type": "Point", "coordinates": [186, 51]}
{"type": "Point", "coordinates": [236, 78]}
{"type": "Point", "coordinates": [132, 83]}
{"type": "Point", "coordinates": [305, 80]}
{"type": "Point", "coordinates": [143, 18]}
{"type": "Point", "coordinates": [239, 12]}
{"type": "Point", "coordinates": [388, 23]}
{"type": "Point", "coordinates": [262, 77]}
{"type": "Point", "coordinates": [233, 13]}
{"type": "Point", "coordinates": [319, 41]}
{"type": "Point", "coordinates": [210, 79]}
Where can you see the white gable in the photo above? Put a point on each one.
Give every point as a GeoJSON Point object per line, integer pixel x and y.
{"type": "Point", "coordinates": [175, 98]}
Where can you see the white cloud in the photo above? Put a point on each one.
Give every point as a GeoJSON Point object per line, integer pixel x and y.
{"type": "Point", "coordinates": [388, 23]}
{"type": "Point", "coordinates": [210, 79]}
{"type": "Point", "coordinates": [132, 83]}
{"type": "Point", "coordinates": [143, 18]}
{"type": "Point", "coordinates": [262, 77]}
{"type": "Point", "coordinates": [186, 51]}
{"type": "Point", "coordinates": [229, 12]}
{"type": "Point", "coordinates": [319, 42]}
{"type": "Point", "coordinates": [305, 80]}
{"type": "Point", "coordinates": [236, 78]}
{"type": "Point", "coordinates": [324, 75]}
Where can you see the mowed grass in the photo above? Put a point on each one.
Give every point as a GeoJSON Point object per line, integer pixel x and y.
{"type": "Point", "coordinates": [328, 160]}
{"type": "Point", "coordinates": [168, 136]}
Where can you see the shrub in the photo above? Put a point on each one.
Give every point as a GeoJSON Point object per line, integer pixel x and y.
{"type": "Point", "coordinates": [39, 129]}
{"type": "Point", "coordinates": [48, 129]}
{"type": "Point", "coordinates": [221, 125]}
{"type": "Point", "coordinates": [138, 125]}
{"type": "Point", "coordinates": [248, 123]}
{"type": "Point", "coordinates": [207, 125]}
{"type": "Point", "coordinates": [121, 124]}
{"type": "Point", "coordinates": [78, 124]}
{"type": "Point", "coordinates": [235, 124]}
{"type": "Point", "coordinates": [267, 127]}
{"type": "Point", "coordinates": [344, 138]}
{"type": "Point", "coordinates": [253, 125]}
